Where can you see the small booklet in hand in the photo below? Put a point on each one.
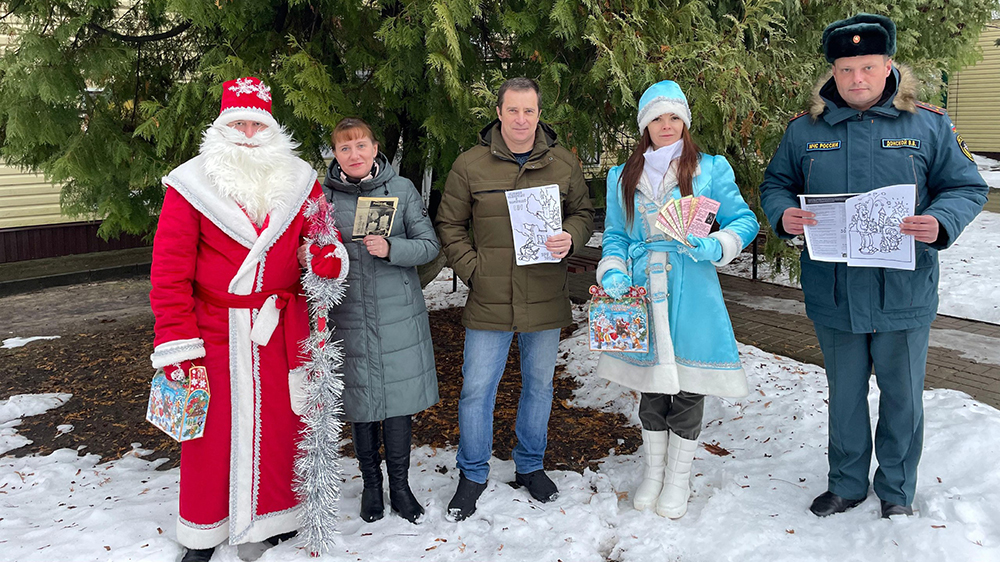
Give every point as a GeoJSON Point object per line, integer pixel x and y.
{"type": "Point", "coordinates": [619, 324]}
{"type": "Point", "coordinates": [374, 215]}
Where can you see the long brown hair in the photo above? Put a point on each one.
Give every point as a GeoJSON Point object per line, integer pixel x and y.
{"type": "Point", "coordinates": [686, 166]}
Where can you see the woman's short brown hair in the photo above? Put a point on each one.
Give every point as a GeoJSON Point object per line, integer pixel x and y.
{"type": "Point", "coordinates": [351, 128]}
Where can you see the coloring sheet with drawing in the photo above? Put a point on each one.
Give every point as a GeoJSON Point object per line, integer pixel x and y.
{"type": "Point", "coordinates": [862, 230]}
{"type": "Point", "coordinates": [535, 214]}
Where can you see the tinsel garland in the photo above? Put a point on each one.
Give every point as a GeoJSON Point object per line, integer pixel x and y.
{"type": "Point", "coordinates": [317, 467]}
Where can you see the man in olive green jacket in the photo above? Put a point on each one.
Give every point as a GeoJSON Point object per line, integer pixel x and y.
{"type": "Point", "coordinates": [473, 222]}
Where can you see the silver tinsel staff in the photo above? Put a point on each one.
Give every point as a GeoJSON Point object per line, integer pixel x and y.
{"type": "Point", "coordinates": [317, 468]}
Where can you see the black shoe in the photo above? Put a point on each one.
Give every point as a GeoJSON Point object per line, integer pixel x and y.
{"type": "Point", "coordinates": [273, 541]}
{"type": "Point", "coordinates": [366, 445]}
{"type": "Point", "coordinates": [829, 503]}
{"type": "Point", "coordinates": [198, 554]}
{"type": "Point", "coordinates": [540, 486]}
{"type": "Point", "coordinates": [463, 503]}
{"type": "Point", "coordinates": [890, 509]}
{"type": "Point", "coordinates": [396, 433]}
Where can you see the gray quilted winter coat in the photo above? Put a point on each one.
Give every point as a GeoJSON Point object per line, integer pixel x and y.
{"type": "Point", "coordinates": [388, 356]}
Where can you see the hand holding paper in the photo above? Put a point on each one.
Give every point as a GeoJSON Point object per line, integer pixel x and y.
{"type": "Point", "coordinates": [924, 228]}
{"type": "Point", "coordinates": [559, 244]}
{"type": "Point", "coordinates": [793, 220]}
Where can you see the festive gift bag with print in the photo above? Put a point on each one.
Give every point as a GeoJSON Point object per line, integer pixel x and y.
{"type": "Point", "coordinates": [179, 408]}
{"type": "Point", "coordinates": [619, 325]}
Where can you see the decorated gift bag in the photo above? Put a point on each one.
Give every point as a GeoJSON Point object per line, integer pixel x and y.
{"type": "Point", "coordinates": [179, 408]}
{"type": "Point", "coordinates": [619, 324]}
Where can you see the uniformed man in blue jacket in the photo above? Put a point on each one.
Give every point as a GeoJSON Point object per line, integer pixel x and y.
{"type": "Point", "coordinates": [865, 129]}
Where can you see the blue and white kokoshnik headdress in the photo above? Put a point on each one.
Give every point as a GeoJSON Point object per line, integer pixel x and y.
{"type": "Point", "coordinates": [663, 97]}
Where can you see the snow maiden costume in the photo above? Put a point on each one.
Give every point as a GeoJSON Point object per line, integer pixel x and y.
{"type": "Point", "coordinates": [692, 348]}
{"type": "Point", "coordinates": [226, 295]}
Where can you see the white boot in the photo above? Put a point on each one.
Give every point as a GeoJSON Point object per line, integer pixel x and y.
{"type": "Point", "coordinates": [654, 449]}
{"type": "Point", "coordinates": [673, 499]}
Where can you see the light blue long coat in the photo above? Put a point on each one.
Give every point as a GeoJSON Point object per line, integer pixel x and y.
{"type": "Point", "coordinates": [697, 350]}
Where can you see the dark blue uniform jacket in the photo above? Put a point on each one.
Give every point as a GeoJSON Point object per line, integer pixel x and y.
{"type": "Point", "coordinates": [836, 149]}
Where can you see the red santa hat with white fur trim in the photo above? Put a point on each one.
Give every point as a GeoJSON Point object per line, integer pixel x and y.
{"type": "Point", "coordinates": [245, 99]}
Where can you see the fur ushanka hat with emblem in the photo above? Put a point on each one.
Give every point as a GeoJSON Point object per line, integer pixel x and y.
{"type": "Point", "coordinates": [863, 34]}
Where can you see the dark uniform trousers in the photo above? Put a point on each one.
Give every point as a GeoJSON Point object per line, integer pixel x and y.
{"type": "Point", "coordinates": [899, 359]}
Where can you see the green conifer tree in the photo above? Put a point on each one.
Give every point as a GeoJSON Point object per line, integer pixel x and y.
{"type": "Point", "coordinates": [107, 96]}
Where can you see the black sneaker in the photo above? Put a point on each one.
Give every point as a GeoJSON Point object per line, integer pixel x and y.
{"type": "Point", "coordinates": [890, 509]}
{"type": "Point", "coordinates": [198, 554]}
{"type": "Point", "coordinates": [829, 503]}
{"type": "Point", "coordinates": [463, 503]}
{"type": "Point", "coordinates": [273, 541]}
{"type": "Point", "coordinates": [539, 485]}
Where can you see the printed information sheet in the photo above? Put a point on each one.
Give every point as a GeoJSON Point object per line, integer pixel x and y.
{"type": "Point", "coordinates": [862, 230]}
{"type": "Point", "coordinates": [535, 214]}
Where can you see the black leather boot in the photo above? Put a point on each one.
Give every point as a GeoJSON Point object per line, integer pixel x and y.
{"type": "Point", "coordinates": [396, 435]}
{"type": "Point", "coordinates": [829, 503]}
{"type": "Point", "coordinates": [198, 554]}
{"type": "Point", "coordinates": [463, 503]}
{"type": "Point", "coordinates": [366, 445]}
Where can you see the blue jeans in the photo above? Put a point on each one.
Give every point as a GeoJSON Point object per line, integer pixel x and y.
{"type": "Point", "coordinates": [485, 357]}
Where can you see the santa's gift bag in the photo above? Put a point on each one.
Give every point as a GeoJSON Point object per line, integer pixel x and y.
{"type": "Point", "coordinates": [619, 324]}
{"type": "Point", "coordinates": [179, 408]}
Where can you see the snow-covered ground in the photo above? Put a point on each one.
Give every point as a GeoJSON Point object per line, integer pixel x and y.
{"type": "Point", "coordinates": [749, 503]}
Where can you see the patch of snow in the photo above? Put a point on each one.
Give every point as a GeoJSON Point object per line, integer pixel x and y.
{"type": "Point", "coordinates": [975, 347]}
{"type": "Point", "coordinates": [63, 429]}
{"type": "Point", "coordinates": [11, 343]}
{"type": "Point", "coordinates": [438, 293]}
{"type": "Point", "coordinates": [22, 405]}
{"type": "Point", "coordinates": [784, 306]}
{"type": "Point", "coordinates": [989, 169]}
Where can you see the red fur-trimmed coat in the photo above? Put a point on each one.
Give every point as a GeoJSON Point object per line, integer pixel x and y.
{"type": "Point", "coordinates": [212, 272]}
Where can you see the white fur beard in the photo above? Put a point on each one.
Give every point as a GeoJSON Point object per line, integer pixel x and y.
{"type": "Point", "coordinates": [257, 176]}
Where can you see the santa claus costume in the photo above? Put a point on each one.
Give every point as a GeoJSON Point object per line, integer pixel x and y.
{"type": "Point", "coordinates": [226, 295]}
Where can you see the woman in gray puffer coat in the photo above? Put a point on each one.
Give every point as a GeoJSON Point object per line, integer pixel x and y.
{"type": "Point", "coordinates": [389, 371]}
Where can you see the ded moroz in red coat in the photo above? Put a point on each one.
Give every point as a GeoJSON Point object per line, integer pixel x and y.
{"type": "Point", "coordinates": [216, 277]}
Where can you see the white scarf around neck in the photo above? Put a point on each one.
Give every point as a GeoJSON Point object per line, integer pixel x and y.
{"type": "Point", "coordinates": [657, 163]}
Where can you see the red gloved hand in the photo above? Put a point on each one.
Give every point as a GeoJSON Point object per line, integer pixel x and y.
{"type": "Point", "coordinates": [178, 372]}
{"type": "Point", "coordinates": [324, 263]}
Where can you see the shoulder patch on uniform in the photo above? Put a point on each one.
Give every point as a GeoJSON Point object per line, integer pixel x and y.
{"type": "Point", "coordinates": [930, 107]}
{"type": "Point", "coordinates": [797, 115]}
{"type": "Point", "coordinates": [964, 147]}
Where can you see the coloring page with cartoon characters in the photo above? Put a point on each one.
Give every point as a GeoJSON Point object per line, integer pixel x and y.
{"type": "Point", "coordinates": [873, 220]}
{"type": "Point", "coordinates": [535, 214]}
{"type": "Point", "coordinates": [862, 230]}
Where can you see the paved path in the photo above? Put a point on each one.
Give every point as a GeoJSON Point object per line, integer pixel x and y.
{"type": "Point", "coordinates": [772, 317]}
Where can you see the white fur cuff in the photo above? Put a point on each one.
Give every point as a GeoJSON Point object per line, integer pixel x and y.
{"type": "Point", "coordinates": [173, 352]}
{"type": "Point", "coordinates": [608, 263]}
{"type": "Point", "coordinates": [732, 245]}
